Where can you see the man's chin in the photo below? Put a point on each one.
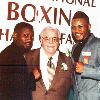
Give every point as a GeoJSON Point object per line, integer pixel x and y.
{"type": "Point", "coordinates": [28, 48]}
{"type": "Point", "coordinates": [79, 40]}
{"type": "Point", "coordinates": [76, 39]}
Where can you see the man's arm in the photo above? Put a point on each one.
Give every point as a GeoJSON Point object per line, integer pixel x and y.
{"type": "Point", "coordinates": [88, 70]}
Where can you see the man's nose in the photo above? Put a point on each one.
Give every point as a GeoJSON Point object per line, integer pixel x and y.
{"type": "Point", "coordinates": [76, 30]}
{"type": "Point", "coordinates": [29, 38]}
{"type": "Point", "coordinates": [51, 40]}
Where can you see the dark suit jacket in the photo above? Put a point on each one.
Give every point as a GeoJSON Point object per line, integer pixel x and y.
{"type": "Point", "coordinates": [62, 80]}
{"type": "Point", "coordinates": [15, 81]}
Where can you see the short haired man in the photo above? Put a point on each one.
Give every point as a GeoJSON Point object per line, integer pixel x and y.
{"type": "Point", "coordinates": [15, 81]}
{"type": "Point", "coordinates": [86, 56]}
{"type": "Point", "coordinates": [55, 80]}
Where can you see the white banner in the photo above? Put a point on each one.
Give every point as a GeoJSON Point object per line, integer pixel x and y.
{"type": "Point", "coordinates": [42, 13]}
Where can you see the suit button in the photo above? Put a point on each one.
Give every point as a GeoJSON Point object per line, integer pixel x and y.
{"type": "Point", "coordinates": [46, 92]}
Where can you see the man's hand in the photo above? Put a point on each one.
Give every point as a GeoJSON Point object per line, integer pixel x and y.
{"type": "Point", "coordinates": [36, 73]}
{"type": "Point", "coordinates": [79, 67]}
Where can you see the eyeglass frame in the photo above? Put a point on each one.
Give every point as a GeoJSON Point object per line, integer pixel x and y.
{"type": "Point", "coordinates": [54, 39]}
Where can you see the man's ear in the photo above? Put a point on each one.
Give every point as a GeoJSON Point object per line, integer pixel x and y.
{"type": "Point", "coordinates": [89, 26]}
{"type": "Point", "coordinates": [40, 39]}
{"type": "Point", "coordinates": [15, 36]}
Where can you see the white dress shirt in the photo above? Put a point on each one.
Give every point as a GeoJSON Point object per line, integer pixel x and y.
{"type": "Point", "coordinates": [43, 65]}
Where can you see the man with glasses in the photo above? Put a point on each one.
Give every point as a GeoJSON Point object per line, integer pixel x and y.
{"type": "Point", "coordinates": [53, 67]}
{"type": "Point", "coordinates": [16, 83]}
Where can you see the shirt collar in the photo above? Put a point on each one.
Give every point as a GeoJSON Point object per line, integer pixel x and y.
{"type": "Point", "coordinates": [45, 57]}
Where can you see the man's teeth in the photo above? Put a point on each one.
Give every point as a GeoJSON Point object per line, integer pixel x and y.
{"type": "Point", "coordinates": [78, 34]}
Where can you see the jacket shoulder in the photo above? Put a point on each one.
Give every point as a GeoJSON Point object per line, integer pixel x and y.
{"type": "Point", "coordinates": [6, 54]}
{"type": "Point", "coordinates": [33, 55]}
{"type": "Point", "coordinates": [63, 55]}
{"type": "Point", "coordinates": [32, 52]}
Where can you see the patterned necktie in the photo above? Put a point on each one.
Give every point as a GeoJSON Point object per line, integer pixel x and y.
{"type": "Point", "coordinates": [51, 70]}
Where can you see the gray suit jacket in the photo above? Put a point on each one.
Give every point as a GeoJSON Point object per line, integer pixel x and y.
{"type": "Point", "coordinates": [62, 80]}
{"type": "Point", "coordinates": [88, 83]}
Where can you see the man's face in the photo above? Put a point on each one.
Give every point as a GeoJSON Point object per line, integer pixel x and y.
{"type": "Point", "coordinates": [25, 38]}
{"type": "Point", "coordinates": [50, 42]}
{"type": "Point", "coordinates": [80, 28]}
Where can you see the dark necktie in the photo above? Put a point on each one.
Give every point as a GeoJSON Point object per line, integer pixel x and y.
{"type": "Point", "coordinates": [51, 70]}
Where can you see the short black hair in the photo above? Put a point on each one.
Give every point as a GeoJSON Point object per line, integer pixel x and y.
{"type": "Point", "coordinates": [21, 26]}
{"type": "Point", "coordinates": [80, 14]}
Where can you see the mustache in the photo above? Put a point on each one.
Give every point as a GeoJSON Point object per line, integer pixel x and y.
{"type": "Point", "coordinates": [75, 40]}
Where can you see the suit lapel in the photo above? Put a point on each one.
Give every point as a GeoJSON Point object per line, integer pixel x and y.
{"type": "Point", "coordinates": [36, 58]}
{"type": "Point", "coordinates": [37, 62]}
{"type": "Point", "coordinates": [58, 69]}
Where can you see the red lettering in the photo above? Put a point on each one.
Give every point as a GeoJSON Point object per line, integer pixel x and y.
{"type": "Point", "coordinates": [10, 11]}
{"type": "Point", "coordinates": [65, 17]}
{"type": "Point", "coordinates": [7, 34]}
{"type": "Point", "coordinates": [1, 33]}
{"type": "Point", "coordinates": [45, 14]}
{"type": "Point", "coordinates": [23, 12]}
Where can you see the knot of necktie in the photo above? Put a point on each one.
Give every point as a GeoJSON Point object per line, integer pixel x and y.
{"type": "Point", "coordinates": [50, 64]}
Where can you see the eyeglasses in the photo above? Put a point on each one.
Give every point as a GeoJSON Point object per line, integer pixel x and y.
{"type": "Point", "coordinates": [50, 39]}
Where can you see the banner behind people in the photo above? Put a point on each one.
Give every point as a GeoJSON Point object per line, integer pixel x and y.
{"type": "Point", "coordinates": [42, 13]}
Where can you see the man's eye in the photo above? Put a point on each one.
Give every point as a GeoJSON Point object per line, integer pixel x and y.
{"type": "Point", "coordinates": [54, 39]}
{"type": "Point", "coordinates": [25, 35]}
{"type": "Point", "coordinates": [80, 26]}
{"type": "Point", "coordinates": [72, 27]}
{"type": "Point", "coordinates": [46, 39]}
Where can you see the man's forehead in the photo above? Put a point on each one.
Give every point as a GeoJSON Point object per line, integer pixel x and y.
{"type": "Point", "coordinates": [50, 32]}
{"type": "Point", "coordinates": [50, 35]}
{"type": "Point", "coordinates": [79, 20]}
{"type": "Point", "coordinates": [25, 30]}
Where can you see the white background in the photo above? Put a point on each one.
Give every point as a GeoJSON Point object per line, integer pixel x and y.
{"type": "Point", "coordinates": [92, 12]}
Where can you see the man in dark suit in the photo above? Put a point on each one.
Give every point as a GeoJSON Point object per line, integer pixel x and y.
{"type": "Point", "coordinates": [53, 66]}
{"type": "Point", "coordinates": [15, 81]}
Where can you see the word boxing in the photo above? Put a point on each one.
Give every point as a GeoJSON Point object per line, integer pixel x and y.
{"type": "Point", "coordinates": [13, 13]}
